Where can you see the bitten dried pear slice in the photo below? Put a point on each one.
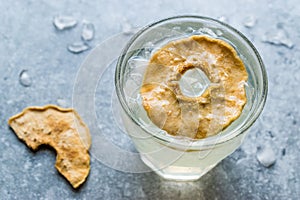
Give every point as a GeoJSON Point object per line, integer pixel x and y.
{"type": "Point", "coordinates": [61, 129]}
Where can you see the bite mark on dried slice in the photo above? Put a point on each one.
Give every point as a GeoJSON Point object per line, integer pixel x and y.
{"type": "Point", "coordinates": [62, 129]}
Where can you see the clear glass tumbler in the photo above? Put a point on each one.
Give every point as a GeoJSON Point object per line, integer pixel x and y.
{"type": "Point", "coordinates": [179, 158]}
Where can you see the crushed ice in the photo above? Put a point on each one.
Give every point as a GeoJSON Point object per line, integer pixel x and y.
{"type": "Point", "coordinates": [250, 21]}
{"type": "Point", "coordinates": [193, 82]}
{"type": "Point", "coordinates": [25, 79]}
{"type": "Point", "coordinates": [88, 31]}
{"type": "Point", "coordinates": [127, 28]}
{"type": "Point", "coordinates": [266, 156]}
{"type": "Point", "coordinates": [64, 22]}
{"type": "Point", "coordinates": [78, 47]}
{"type": "Point", "coordinates": [279, 37]}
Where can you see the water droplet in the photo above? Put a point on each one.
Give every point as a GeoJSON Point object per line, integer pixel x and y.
{"type": "Point", "coordinates": [190, 30]}
{"type": "Point", "coordinates": [78, 47]}
{"type": "Point", "coordinates": [88, 31]}
{"type": "Point", "coordinates": [266, 156]}
{"type": "Point", "coordinates": [61, 103]}
{"type": "Point", "coordinates": [250, 21]}
{"type": "Point", "coordinates": [279, 37]}
{"type": "Point", "coordinates": [64, 22]}
{"type": "Point", "coordinates": [25, 79]}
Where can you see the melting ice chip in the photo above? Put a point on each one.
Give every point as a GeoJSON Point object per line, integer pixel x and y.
{"type": "Point", "coordinates": [193, 82]}
{"type": "Point", "coordinates": [78, 47]}
{"type": "Point", "coordinates": [88, 31]}
{"type": "Point", "coordinates": [127, 28]}
{"type": "Point", "coordinates": [279, 37]}
{"type": "Point", "coordinates": [249, 21]}
{"type": "Point", "coordinates": [64, 22]}
{"type": "Point", "coordinates": [24, 78]}
{"type": "Point", "coordinates": [266, 156]}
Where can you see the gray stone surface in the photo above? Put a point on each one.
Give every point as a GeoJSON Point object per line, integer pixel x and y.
{"type": "Point", "coordinates": [29, 41]}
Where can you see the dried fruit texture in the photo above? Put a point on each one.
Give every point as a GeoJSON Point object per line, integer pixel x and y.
{"type": "Point", "coordinates": [61, 129]}
{"type": "Point", "coordinates": [205, 115]}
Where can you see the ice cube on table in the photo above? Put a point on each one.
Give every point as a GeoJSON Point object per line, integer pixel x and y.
{"type": "Point", "coordinates": [78, 47]}
{"type": "Point", "coordinates": [279, 37]}
{"type": "Point", "coordinates": [64, 22]}
{"type": "Point", "coordinates": [250, 21]}
{"type": "Point", "coordinates": [88, 31]}
{"type": "Point", "coordinates": [127, 28]}
{"type": "Point", "coordinates": [266, 156]}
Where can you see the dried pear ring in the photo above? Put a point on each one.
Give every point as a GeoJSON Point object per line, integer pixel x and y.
{"type": "Point", "coordinates": [212, 111]}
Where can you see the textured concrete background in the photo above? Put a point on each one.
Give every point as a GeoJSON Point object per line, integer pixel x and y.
{"type": "Point", "coordinates": [29, 41]}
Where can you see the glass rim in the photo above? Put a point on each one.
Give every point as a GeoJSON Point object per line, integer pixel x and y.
{"type": "Point", "coordinates": [211, 140]}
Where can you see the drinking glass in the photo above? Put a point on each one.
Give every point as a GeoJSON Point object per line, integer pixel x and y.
{"type": "Point", "coordinates": [173, 157]}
